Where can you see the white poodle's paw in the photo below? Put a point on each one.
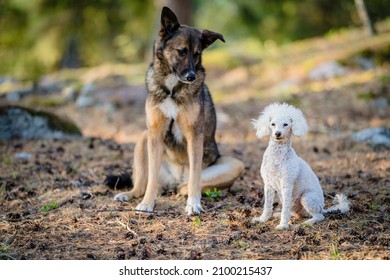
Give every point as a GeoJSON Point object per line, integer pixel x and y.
{"type": "Point", "coordinates": [261, 219]}
{"type": "Point", "coordinates": [121, 197]}
{"type": "Point", "coordinates": [282, 226]}
{"type": "Point", "coordinates": [277, 214]}
{"type": "Point", "coordinates": [314, 219]}
{"type": "Point", "coordinates": [193, 206]}
{"type": "Point", "coordinates": [145, 206]}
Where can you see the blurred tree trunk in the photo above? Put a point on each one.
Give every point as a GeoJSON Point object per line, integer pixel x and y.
{"type": "Point", "coordinates": [71, 55]}
{"type": "Point", "coordinates": [183, 9]}
{"type": "Point", "coordinates": [364, 17]}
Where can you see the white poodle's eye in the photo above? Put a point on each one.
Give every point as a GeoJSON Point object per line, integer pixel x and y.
{"type": "Point", "coordinates": [285, 124]}
{"type": "Point", "coordinates": [272, 124]}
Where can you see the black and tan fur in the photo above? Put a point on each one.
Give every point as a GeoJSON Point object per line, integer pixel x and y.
{"type": "Point", "coordinates": [178, 149]}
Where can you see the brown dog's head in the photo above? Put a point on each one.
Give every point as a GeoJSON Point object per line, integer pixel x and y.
{"type": "Point", "coordinates": [181, 46]}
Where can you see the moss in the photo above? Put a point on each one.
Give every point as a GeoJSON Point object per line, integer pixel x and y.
{"type": "Point", "coordinates": [47, 102]}
{"type": "Point", "coordinates": [54, 122]}
{"type": "Point", "coordinates": [62, 124]}
{"type": "Point", "coordinates": [294, 100]}
{"type": "Point", "coordinates": [379, 55]}
{"type": "Point", "coordinates": [366, 96]}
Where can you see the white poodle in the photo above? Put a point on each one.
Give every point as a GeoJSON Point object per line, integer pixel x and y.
{"type": "Point", "coordinates": [283, 171]}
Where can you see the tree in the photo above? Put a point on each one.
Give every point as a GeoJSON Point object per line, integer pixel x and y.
{"type": "Point", "coordinates": [182, 8]}
{"type": "Point", "coordinates": [364, 17]}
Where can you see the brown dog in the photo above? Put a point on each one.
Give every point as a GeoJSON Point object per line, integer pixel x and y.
{"type": "Point", "coordinates": [178, 149]}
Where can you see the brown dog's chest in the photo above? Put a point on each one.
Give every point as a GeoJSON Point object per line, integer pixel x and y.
{"type": "Point", "coordinates": [184, 109]}
{"type": "Point", "coordinates": [173, 137]}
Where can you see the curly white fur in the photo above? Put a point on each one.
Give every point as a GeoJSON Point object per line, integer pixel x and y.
{"type": "Point", "coordinates": [283, 171]}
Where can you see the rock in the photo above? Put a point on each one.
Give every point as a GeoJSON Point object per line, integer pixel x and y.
{"type": "Point", "coordinates": [125, 94]}
{"type": "Point", "coordinates": [25, 123]}
{"type": "Point", "coordinates": [288, 85]}
{"type": "Point", "coordinates": [69, 93]}
{"type": "Point", "coordinates": [222, 118]}
{"type": "Point", "coordinates": [327, 70]}
{"type": "Point", "coordinates": [365, 63]}
{"type": "Point", "coordinates": [374, 136]}
{"type": "Point", "coordinates": [13, 96]}
{"type": "Point", "coordinates": [49, 84]}
{"type": "Point", "coordinates": [24, 156]}
{"type": "Point", "coordinates": [381, 106]}
{"type": "Point", "coordinates": [14, 89]}
{"type": "Point", "coordinates": [84, 101]}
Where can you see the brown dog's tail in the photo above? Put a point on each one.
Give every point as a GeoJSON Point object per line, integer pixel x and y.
{"type": "Point", "coordinates": [118, 182]}
{"type": "Point", "coordinates": [340, 203]}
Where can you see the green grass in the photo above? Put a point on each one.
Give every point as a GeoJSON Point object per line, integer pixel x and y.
{"type": "Point", "coordinates": [367, 96]}
{"type": "Point", "coordinates": [4, 254]}
{"type": "Point", "coordinates": [212, 195]}
{"type": "Point", "coordinates": [49, 207]}
{"type": "Point", "coordinates": [374, 206]}
{"type": "Point", "coordinates": [2, 191]}
{"type": "Point", "coordinates": [7, 160]}
{"type": "Point", "coordinates": [334, 252]}
{"type": "Point", "coordinates": [196, 222]}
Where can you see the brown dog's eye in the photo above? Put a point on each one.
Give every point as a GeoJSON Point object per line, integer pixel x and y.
{"type": "Point", "coordinates": [182, 52]}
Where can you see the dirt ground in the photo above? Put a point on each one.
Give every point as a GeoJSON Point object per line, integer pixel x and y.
{"type": "Point", "coordinates": [53, 205]}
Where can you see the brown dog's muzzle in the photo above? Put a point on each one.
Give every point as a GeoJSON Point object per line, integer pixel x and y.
{"type": "Point", "coordinates": [190, 76]}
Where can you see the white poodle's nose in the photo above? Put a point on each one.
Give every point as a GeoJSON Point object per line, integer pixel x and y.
{"type": "Point", "coordinates": [278, 134]}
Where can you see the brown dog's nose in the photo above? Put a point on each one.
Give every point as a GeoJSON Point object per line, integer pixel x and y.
{"type": "Point", "coordinates": [190, 76]}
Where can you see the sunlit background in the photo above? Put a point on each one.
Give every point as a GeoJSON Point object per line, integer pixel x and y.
{"type": "Point", "coordinates": [87, 59]}
{"type": "Point", "coordinates": [72, 96]}
{"type": "Point", "coordinates": [42, 36]}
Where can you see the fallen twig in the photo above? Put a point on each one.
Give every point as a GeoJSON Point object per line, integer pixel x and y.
{"type": "Point", "coordinates": [135, 210]}
{"type": "Point", "coordinates": [127, 227]}
{"type": "Point", "coordinates": [216, 207]}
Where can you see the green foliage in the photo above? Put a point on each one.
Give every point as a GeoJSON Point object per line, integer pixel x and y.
{"type": "Point", "coordinates": [294, 100]}
{"type": "Point", "coordinates": [241, 244]}
{"type": "Point", "coordinates": [367, 96]}
{"type": "Point", "coordinates": [41, 36]}
{"type": "Point", "coordinates": [196, 222]}
{"type": "Point", "coordinates": [47, 102]}
{"type": "Point", "coordinates": [2, 191]}
{"type": "Point", "coordinates": [375, 206]}
{"type": "Point", "coordinates": [4, 253]}
{"type": "Point", "coordinates": [50, 206]}
{"type": "Point", "coordinates": [384, 79]}
{"type": "Point", "coordinates": [334, 252]}
{"type": "Point", "coordinates": [212, 194]}
{"type": "Point", "coordinates": [280, 21]}
{"type": "Point", "coordinates": [7, 160]}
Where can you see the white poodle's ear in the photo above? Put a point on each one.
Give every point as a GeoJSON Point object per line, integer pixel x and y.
{"type": "Point", "coordinates": [299, 124]}
{"type": "Point", "coordinates": [261, 124]}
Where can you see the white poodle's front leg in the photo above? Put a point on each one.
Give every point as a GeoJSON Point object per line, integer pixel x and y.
{"type": "Point", "coordinates": [269, 194]}
{"type": "Point", "coordinates": [286, 207]}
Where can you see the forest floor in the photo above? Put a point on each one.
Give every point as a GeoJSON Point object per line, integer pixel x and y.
{"type": "Point", "coordinates": [53, 205]}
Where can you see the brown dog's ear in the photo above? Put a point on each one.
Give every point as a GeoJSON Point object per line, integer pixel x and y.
{"type": "Point", "coordinates": [209, 37]}
{"type": "Point", "coordinates": [169, 22]}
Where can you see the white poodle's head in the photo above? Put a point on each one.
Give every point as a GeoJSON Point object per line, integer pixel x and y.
{"type": "Point", "coordinates": [280, 121]}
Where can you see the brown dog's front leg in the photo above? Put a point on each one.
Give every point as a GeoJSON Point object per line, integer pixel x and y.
{"type": "Point", "coordinates": [156, 124]}
{"type": "Point", "coordinates": [191, 123]}
{"type": "Point", "coordinates": [195, 157]}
